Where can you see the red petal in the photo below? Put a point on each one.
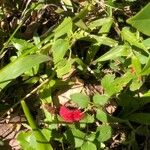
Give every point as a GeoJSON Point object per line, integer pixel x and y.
{"type": "Point", "coordinates": [70, 115]}
{"type": "Point", "coordinates": [77, 115]}
{"type": "Point", "coordinates": [66, 114]}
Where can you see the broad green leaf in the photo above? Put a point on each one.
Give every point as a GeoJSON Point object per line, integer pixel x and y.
{"type": "Point", "coordinates": [105, 133]}
{"type": "Point", "coordinates": [122, 81]}
{"type": "Point", "coordinates": [81, 24]}
{"type": "Point", "coordinates": [136, 84]}
{"type": "Point", "coordinates": [91, 137]}
{"type": "Point", "coordinates": [66, 68]}
{"type": "Point", "coordinates": [104, 40]}
{"type": "Point", "coordinates": [59, 49]}
{"type": "Point", "coordinates": [88, 146]}
{"type": "Point", "coordinates": [146, 43]}
{"type": "Point", "coordinates": [146, 94]}
{"type": "Point", "coordinates": [104, 30]}
{"type": "Point", "coordinates": [99, 22]}
{"type": "Point", "coordinates": [34, 70]}
{"type": "Point", "coordinates": [142, 58]}
{"type": "Point", "coordinates": [45, 94]}
{"type": "Point", "coordinates": [141, 20]}
{"type": "Point", "coordinates": [21, 45]}
{"type": "Point", "coordinates": [79, 137]}
{"type": "Point", "coordinates": [100, 99]}
{"type": "Point", "coordinates": [136, 64]}
{"type": "Point", "coordinates": [101, 116]}
{"type": "Point", "coordinates": [115, 52]}
{"type": "Point", "coordinates": [47, 133]}
{"type": "Point", "coordinates": [81, 99]}
{"type": "Point", "coordinates": [112, 86]}
{"type": "Point", "coordinates": [27, 140]}
{"type": "Point", "coordinates": [127, 35]}
{"type": "Point", "coordinates": [82, 14]}
{"type": "Point", "coordinates": [64, 28]}
{"type": "Point", "coordinates": [37, 40]}
{"type": "Point", "coordinates": [146, 69]}
{"type": "Point", "coordinates": [42, 142]}
{"type": "Point", "coordinates": [87, 119]}
{"type": "Point", "coordinates": [109, 86]}
{"type": "Point", "coordinates": [142, 118]}
{"type": "Point", "coordinates": [19, 66]}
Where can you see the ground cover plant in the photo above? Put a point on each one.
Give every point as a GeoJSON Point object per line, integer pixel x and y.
{"type": "Point", "coordinates": [75, 74]}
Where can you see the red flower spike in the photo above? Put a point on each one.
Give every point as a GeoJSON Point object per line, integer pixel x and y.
{"type": "Point", "coordinates": [70, 115]}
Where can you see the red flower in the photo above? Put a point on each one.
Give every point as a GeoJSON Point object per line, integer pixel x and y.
{"type": "Point", "coordinates": [70, 115]}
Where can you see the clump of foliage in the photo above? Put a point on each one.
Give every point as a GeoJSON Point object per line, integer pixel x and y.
{"type": "Point", "coordinates": [101, 43]}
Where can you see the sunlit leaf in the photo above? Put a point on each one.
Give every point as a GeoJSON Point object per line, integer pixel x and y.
{"type": "Point", "coordinates": [141, 20]}
{"type": "Point", "coordinates": [88, 146]}
{"type": "Point", "coordinates": [18, 67]}
{"type": "Point", "coordinates": [131, 38]}
{"type": "Point", "coordinates": [100, 99]}
{"type": "Point", "coordinates": [59, 49]}
{"type": "Point", "coordinates": [99, 22]}
{"type": "Point", "coordinates": [105, 133]}
{"type": "Point", "coordinates": [115, 52]}
{"type": "Point", "coordinates": [146, 69]}
{"type": "Point", "coordinates": [64, 28]}
{"type": "Point", "coordinates": [81, 99]}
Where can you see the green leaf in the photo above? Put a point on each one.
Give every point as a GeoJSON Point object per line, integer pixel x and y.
{"type": "Point", "coordinates": [42, 142]}
{"type": "Point", "coordinates": [142, 118]}
{"type": "Point", "coordinates": [100, 99]}
{"type": "Point", "coordinates": [136, 64]}
{"type": "Point", "coordinates": [64, 28]}
{"type": "Point", "coordinates": [142, 58]}
{"type": "Point", "coordinates": [141, 20]}
{"type": "Point", "coordinates": [45, 94]}
{"type": "Point", "coordinates": [19, 66]}
{"type": "Point", "coordinates": [81, 99]}
{"type": "Point", "coordinates": [146, 69]}
{"type": "Point", "coordinates": [101, 116]}
{"type": "Point", "coordinates": [91, 137]}
{"type": "Point", "coordinates": [146, 43]}
{"type": "Point", "coordinates": [109, 86]}
{"type": "Point", "coordinates": [79, 137]}
{"type": "Point", "coordinates": [99, 22]}
{"type": "Point", "coordinates": [66, 68]}
{"type": "Point", "coordinates": [112, 86]}
{"type": "Point", "coordinates": [87, 119]}
{"type": "Point", "coordinates": [88, 146]}
{"type": "Point", "coordinates": [115, 52]}
{"type": "Point", "coordinates": [105, 133]}
{"type": "Point", "coordinates": [81, 24]}
{"type": "Point", "coordinates": [21, 45]}
{"type": "Point", "coordinates": [59, 49]}
{"type": "Point", "coordinates": [131, 38]}
{"type": "Point", "coordinates": [37, 40]}
{"type": "Point", "coordinates": [27, 140]}
{"type": "Point", "coordinates": [47, 133]}
{"type": "Point", "coordinates": [136, 84]}
{"type": "Point", "coordinates": [104, 40]}
{"type": "Point", "coordinates": [122, 81]}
